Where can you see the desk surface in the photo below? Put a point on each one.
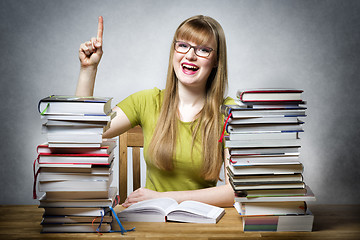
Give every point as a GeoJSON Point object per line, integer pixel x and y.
{"type": "Point", "coordinates": [331, 222]}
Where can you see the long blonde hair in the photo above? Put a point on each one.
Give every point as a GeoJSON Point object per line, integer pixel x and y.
{"type": "Point", "coordinates": [162, 148]}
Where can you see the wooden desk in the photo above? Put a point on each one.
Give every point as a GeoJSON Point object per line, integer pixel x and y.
{"type": "Point", "coordinates": [331, 222]}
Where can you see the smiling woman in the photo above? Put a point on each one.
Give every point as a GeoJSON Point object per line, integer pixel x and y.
{"type": "Point", "coordinates": [198, 90]}
{"type": "Point", "coordinates": [182, 123]}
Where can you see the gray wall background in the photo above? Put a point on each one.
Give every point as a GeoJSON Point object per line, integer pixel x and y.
{"type": "Point", "coordinates": [312, 45]}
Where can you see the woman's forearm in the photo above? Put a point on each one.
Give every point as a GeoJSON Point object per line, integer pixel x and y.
{"type": "Point", "coordinates": [90, 53]}
{"type": "Point", "coordinates": [222, 196]}
{"type": "Point", "coordinates": [86, 81]}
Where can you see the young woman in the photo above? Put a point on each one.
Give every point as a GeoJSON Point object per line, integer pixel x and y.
{"type": "Point", "coordinates": [182, 123]}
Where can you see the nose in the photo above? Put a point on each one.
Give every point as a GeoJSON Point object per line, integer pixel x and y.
{"type": "Point", "coordinates": [191, 54]}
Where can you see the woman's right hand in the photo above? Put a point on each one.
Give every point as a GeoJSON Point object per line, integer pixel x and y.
{"type": "Point", "coordinates": [90, 52]}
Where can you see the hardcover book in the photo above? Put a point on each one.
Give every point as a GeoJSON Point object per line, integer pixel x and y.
{"type": "Point", "coordinates": [57, 104]}
{"type": "Point", "coordinates": [270, 95]}
{"type": "Point", "coordinates": [287, 223]}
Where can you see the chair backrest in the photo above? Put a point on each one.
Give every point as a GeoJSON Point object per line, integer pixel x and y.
{"type": "Point", "coordinates": [133, 138]}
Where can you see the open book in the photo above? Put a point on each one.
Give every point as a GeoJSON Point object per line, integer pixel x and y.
{"type": "Point", "coordinates": [167, 209]}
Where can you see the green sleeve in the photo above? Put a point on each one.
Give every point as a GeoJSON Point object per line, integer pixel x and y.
{"type": "Point", "coordinates": [140, 105]}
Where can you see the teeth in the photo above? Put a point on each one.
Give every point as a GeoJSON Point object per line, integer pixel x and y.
{"type": "Point", "coordinates": [190, 66]}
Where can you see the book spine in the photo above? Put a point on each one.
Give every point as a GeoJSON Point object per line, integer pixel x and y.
{"type": "Point", "coordinates": [74, 155]}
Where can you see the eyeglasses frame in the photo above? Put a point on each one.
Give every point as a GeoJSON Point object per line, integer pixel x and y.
{"type": "Point", "coordinates": [194, 47]}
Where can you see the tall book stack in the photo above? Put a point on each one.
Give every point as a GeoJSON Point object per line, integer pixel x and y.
{"type": "Point", "coordinates": [265, 171]}
{"type": "Point", "coordinates": [75, 164]}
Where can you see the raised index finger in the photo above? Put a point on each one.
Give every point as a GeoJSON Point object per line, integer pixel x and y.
{"type": "Point", "coordinates": [100, 29]}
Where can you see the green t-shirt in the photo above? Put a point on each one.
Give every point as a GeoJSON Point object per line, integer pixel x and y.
{"type": "Point", "coordinates": [143, 108]}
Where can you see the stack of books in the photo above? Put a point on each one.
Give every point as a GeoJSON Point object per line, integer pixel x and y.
{"type": "Point", "coordinates": [75, 165]}
{"type": "Point", "coordinates": [265, 170]}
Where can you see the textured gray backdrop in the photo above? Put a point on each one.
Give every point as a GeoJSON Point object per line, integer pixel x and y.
{"type": "Point", "coordinates": [312, 45]}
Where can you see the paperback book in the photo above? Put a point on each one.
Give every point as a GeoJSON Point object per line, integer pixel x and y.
{"type": "Point", "coordinates": [167, 209]}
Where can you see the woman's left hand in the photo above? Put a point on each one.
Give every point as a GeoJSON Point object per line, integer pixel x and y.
{"type": "Point", "coordinates": [140, 194]}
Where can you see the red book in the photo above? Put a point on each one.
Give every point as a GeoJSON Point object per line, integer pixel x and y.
{"type": "Point", "coordinates": [269, 95]}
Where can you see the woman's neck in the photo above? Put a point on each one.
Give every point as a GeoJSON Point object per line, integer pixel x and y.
{"type": "Point", "coordinates": [191, 102]}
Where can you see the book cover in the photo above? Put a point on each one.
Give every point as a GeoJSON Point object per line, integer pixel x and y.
{"type": "Point", "coordinates": [263, 160]}
{"type": "Point", "coordinates": [57, 104]}
{"type": "Point", "coordinates": [70, 98]}
{"type": "Point", "coordinates": [271, 208]}
{"type": "Point", "coordinates": [80, 117]}
{"type": "Point", "coordinates": [46, 201]}
{"type": "Point", "coordinates": [266, 185]}
{"type": "Point", "coordinates": [106, 147]}
{"type": "Point", "coordinates": [269, 95]}
{"type": "Point", "coordinates": [75, 228]}
{"type": "Point", "coordinates": [242, 112]}
{"type": "Point", "coordinates": [266, 143]}
{"type": "Point", "coordinates": [49, 158]}
{"type": "Point", "coordinates": [266, 169]}
{"type": "Point", "coordinates": [73, 185]}
{"type": "Point", "coordinates": [296, 223]}
{"type": "Point", "coordinates": [307, 196]}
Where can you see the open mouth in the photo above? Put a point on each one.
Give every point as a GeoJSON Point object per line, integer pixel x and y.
{"type": "Point", "coordinates": [189, 68]}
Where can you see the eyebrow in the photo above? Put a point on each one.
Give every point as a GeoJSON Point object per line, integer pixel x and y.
{"type": "Point", "coordinates": [201, 45]}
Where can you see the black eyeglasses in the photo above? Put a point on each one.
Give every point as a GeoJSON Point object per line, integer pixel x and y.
{"type": "Point", "coordinates": [200, 51]}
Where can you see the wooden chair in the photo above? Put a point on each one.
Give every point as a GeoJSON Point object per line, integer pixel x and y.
{"type": "Point", "coordinates": [133, 138]}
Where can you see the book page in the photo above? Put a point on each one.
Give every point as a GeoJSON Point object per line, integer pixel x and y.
{"type": "Point", "coordinates": [199, 208]}
{"type": "Point", "coordinates": [163, 205]}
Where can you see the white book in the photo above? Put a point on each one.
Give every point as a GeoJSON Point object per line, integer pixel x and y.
{"type": "Point", "coordinates": [249, 112]}
{"type": "Point", "coordinates": [167, 209]}
{"type": "Point", "coordinates": [45, 201]}
{"type": "Point", "coordinates": [270, 105]}
{"type": "Point", "coordinates": [271, 208]}
{"type": "Point", "coordinates": [76, 158]}
{"type": "Point", "coordinates": [266, 178]}
{"type": "Point", "coordinates": [53, 130]}
{"type": "Point", "coordinates": [279, 223]}
{"type": "Point", "coordinates": [69, 123]}
{"type": "Point", "coordinates": [72, 185]}
{"type": "Point", "coordinates": [256, 186]}
{"type": "Point", "coordinates": [77, 168]}
{"type": "Point", "coordinates": [81, 211]}
{"type": "Point", "coordinates": [263, 160]}
{"type": "Point", "coordinates": [74, 219]}
{"type": "Point", "coordinates": [58, 176]}
{"type": "Point", "coordinates": [74, 145]}
{"type": "Point", "coordinates": [285, 151]}
{"type": "Point", "coordinates": [107, 146]}
{"type": "Point", "coordinates": [57, 104]}
{"type": "Point", "coordinates": [263, 135]}
{"type": "Point", "coordinates": [267, 169]}
{"type": "Point", "coordinates": [75, 228]}
{"type": "Point", "coordinates": [262, 143]}
{"type": "Point", "coordinates": [79, 194]}
{"type": "Point", "coordinates": [75, 138]}
{"type": "Point", "coordinates": [307, 197]}
{"type": "Point", "coordinates": [85, 118]}
{"type": "Point", "coordinates": [259, 128]}
{"type": "Point", "coordinates": [263, 120]}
